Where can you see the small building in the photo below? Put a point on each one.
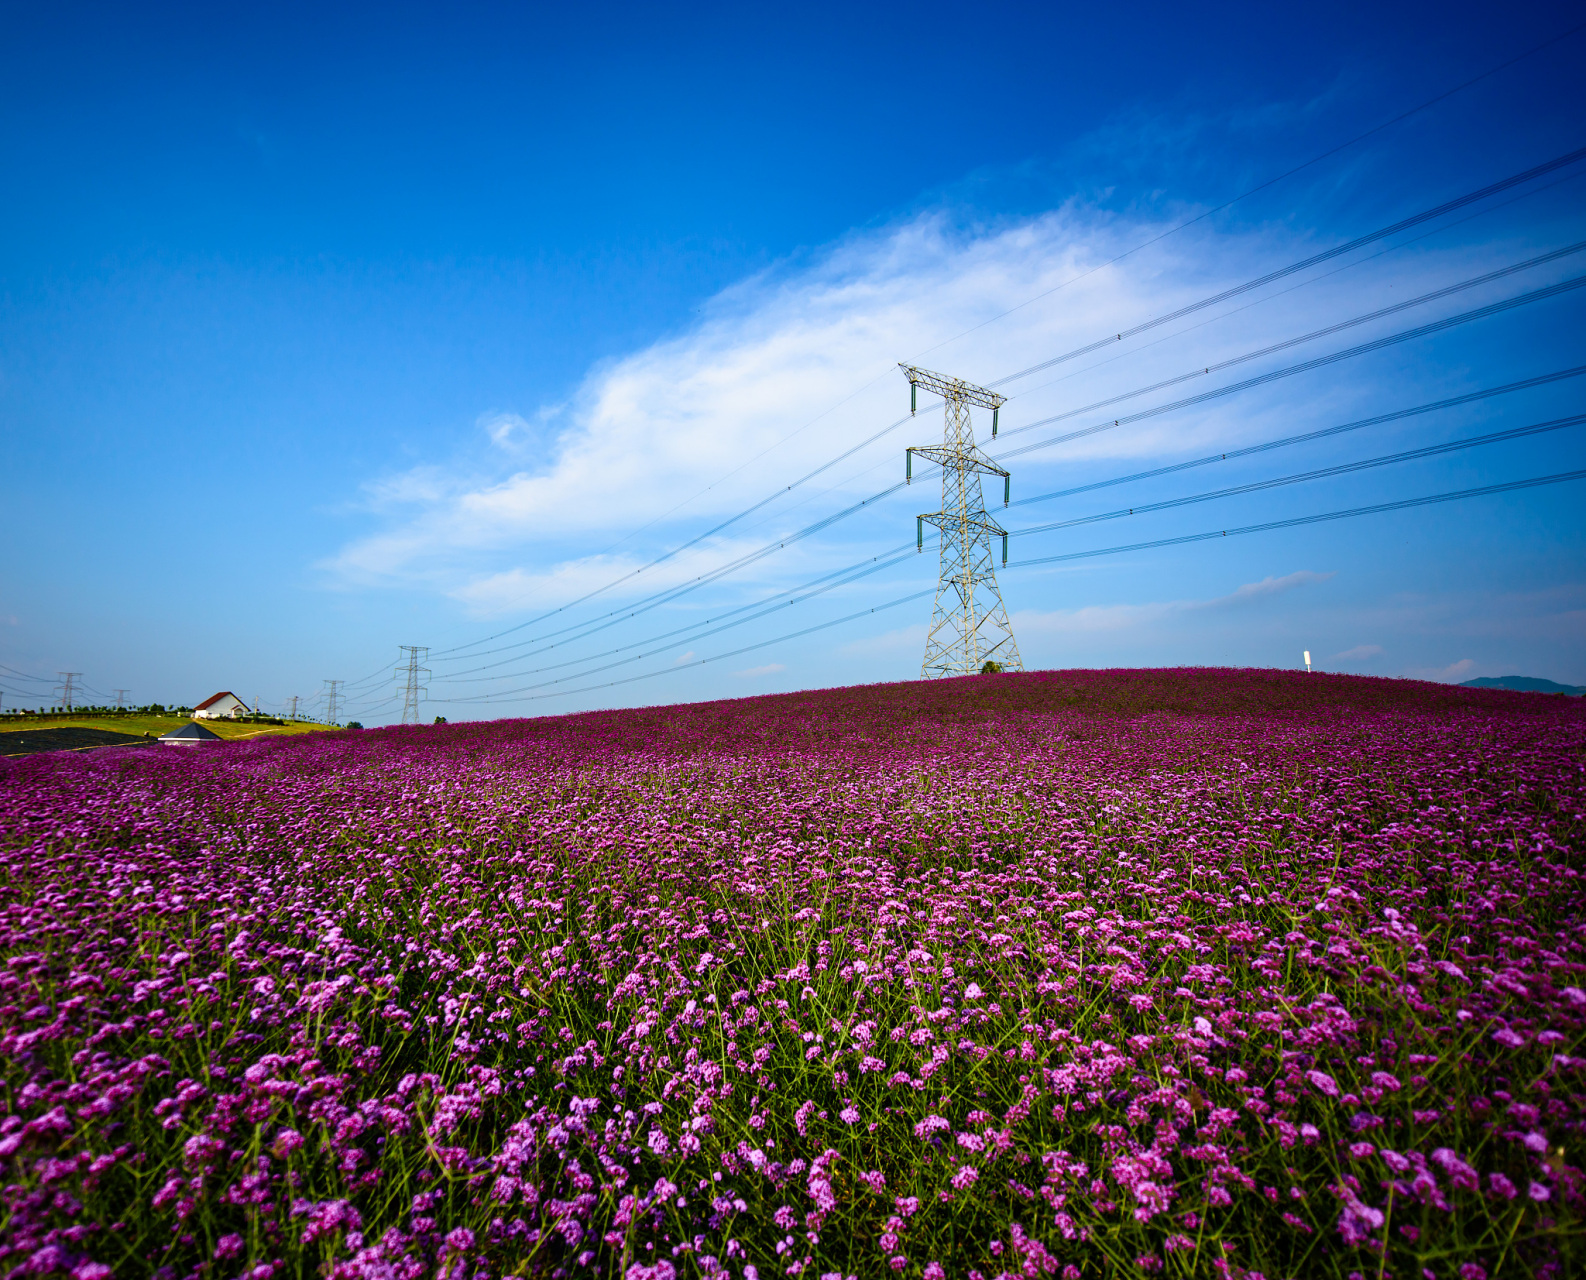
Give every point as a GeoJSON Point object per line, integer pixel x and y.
{"type": "Point", "coordinates": [221, 706]}
{"type": "Point", "coordinates": [189, 735]}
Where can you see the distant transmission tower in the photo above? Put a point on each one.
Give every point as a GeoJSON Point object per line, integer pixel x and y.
{"type": "Point", "coordinates": [294, 706]}
{"type": "Point", "coordinates": [121, 699]}
{"type": "Point", "coordinates": [68, 687]}
{"type": "Point", "coordinates": [410, 703]}
{"type": "Point", "coordinates": [332, 699]}
{"type": "Point", "coordinates": [969, 625]}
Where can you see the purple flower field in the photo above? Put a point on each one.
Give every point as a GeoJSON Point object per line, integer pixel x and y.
{"type": "Point", "coordinates": [1188, 973]}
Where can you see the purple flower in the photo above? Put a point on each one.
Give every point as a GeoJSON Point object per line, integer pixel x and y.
{"type": "Point", "coordinates": [1358, 1219]}
{"type": "Point", "coordinates": [1323, 1082]}
{"type": "Point", "coordinates": [1459, 1173]}
{"type": "Point", "coordinates": [1539, 1191]}
{"type": "Point", "coordinates": [1501, 1186]}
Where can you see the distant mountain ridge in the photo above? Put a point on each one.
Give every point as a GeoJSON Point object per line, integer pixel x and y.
{"type": "Point", "coordinates": [1524, 684]}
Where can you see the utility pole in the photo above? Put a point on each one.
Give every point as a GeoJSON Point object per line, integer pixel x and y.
{"type": "Point", "coordinates": [68, 687]}
{"type": "Point", "coordinates": [121, 699]}
{"type": "Point", "coordinates": [411, 668]}
{"type": "Point", "coordinates": [332, 699]}
{"type": "Point", "coordinates": [969, 625]}
{"type": "Point", "coordinates": [294, 706]}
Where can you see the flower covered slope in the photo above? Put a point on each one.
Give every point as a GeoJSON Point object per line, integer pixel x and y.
{"type": "Point", "coordinates": [1069, 973]}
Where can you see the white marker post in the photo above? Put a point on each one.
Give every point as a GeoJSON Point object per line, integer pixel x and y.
{"type": "Point", "coordinates": [1307, 662]}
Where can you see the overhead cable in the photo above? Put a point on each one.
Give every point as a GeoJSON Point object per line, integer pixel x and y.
{"type": "Point", "coordinates": [1326, 331]}
{"type": "Point", "coordinates": [765, 606]}
{"type": "Point", "coordinates": [670, 594]}
{"type": "Point", "coordinates": [1349, 513]}
{"type": "Point", "coordinates": [1305, 437]}
{"type": "Point", "coordinates": [718, 657]}
{"type": "Point", "coordinates": [1404, 224]}
{"type": "Point", "coordinates": [1420, 331]}
{"type": "Point", "coordinates": [1200, 217]}
{"type": "Point", "coordinates": [1319, 473]}
{"type": "Point", "coordinates": [1269, 525]}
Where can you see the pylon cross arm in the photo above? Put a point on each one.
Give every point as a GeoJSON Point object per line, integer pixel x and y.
{"type": "Point", "coordinates": [953, 388]}
{"type": "Point", "coordinates": [945, 456]}
{"type": "Point", "coordinates": [952, 521]}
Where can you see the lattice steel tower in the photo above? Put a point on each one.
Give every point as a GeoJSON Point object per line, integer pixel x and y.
{"type": "Point", "coordinates": [332, 699]}
{"type": "Point", "coordinates": [969, 626]}
{"type": "Point", "coordinates": [416, 653]}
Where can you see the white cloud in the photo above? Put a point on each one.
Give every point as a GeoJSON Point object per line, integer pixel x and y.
{"type": "Point", "coordinates": [889, 644]}
{"type": "Point", "coordinates": [770, 669]}
{"type": "Point", "coordinates": [789, 368]}
{"type": "Point", "coordinates": [519, 588]}
{"type": "Point", "coordinates": [1453, 673]}
{"type": "Point", "coordinates": [1129, 617]}
{"type": "Point", "coordinates": [687, 657]}
{"type": "Point", "coordinates": [504, 429]}
{"type": "Point", "coordinates": [1360, 653]}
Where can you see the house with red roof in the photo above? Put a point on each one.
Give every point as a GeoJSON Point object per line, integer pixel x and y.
{"type": "Point", "coordinates": [221, 706]}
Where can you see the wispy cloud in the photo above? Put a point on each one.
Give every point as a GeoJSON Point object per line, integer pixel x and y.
{"type": "Point", "coordinates": [770, 669]}
{"type": "Point", "coordinates": [1453, 673]}
{"type": "Point", "coordinates": [1360, 653]}
{"type": "Point", "coordinates": [799, 363]}
{"type": "Point", "coordinates": [1127, 617]}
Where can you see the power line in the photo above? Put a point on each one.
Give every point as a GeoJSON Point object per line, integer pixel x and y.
{"type": "Point", "coordinates": [1349, 513]}
{"type": "Point", "coordinates": [1305, 437]}
{"type": "Point", "coordinates": [718, 657]}
{"type": "Point", "coordinates": [1404, 115]}
{"type": "Point", "coordinates": [1326, 331]}
{"type": "Point", "coordinates": [1404, 224]}
{"type": "Point", "coordinates": [1448, 206]}
{"type": "Point", "coordinates": [673, 593]}
{"type": "Point", "coordinates": [23, 675]}
{"type": "Point", "coordinates": [1320, 473]}
{"type": "Point", "coordinates": [896, 555]}
{"type": "Point", "coordinates": [669, 594]}
{"type": "Point", "coordinates": [1420, 331]}
{"type": "Point", "coordinates": [710, 626]}
{"type": "Point", "coordinates": [1200, 217]}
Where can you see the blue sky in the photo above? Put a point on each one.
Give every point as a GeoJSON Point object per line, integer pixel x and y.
{"type": "Point", "coordinates": [325, 332]}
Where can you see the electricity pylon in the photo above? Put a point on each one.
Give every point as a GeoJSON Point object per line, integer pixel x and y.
{"type": "Point", "coordinates": [969, 625]}
{"type": "Point", "coordinates": [332, 700]}
{"type": "Point", "coordinates": [410, 703]}
{"type": "Point", "coordinates": [121, 698]}
{"type": "Point", "coordinates": [68, 687]}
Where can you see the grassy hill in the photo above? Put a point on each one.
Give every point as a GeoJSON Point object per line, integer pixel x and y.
{"type": "Point", "coordinates": [14, 727]}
